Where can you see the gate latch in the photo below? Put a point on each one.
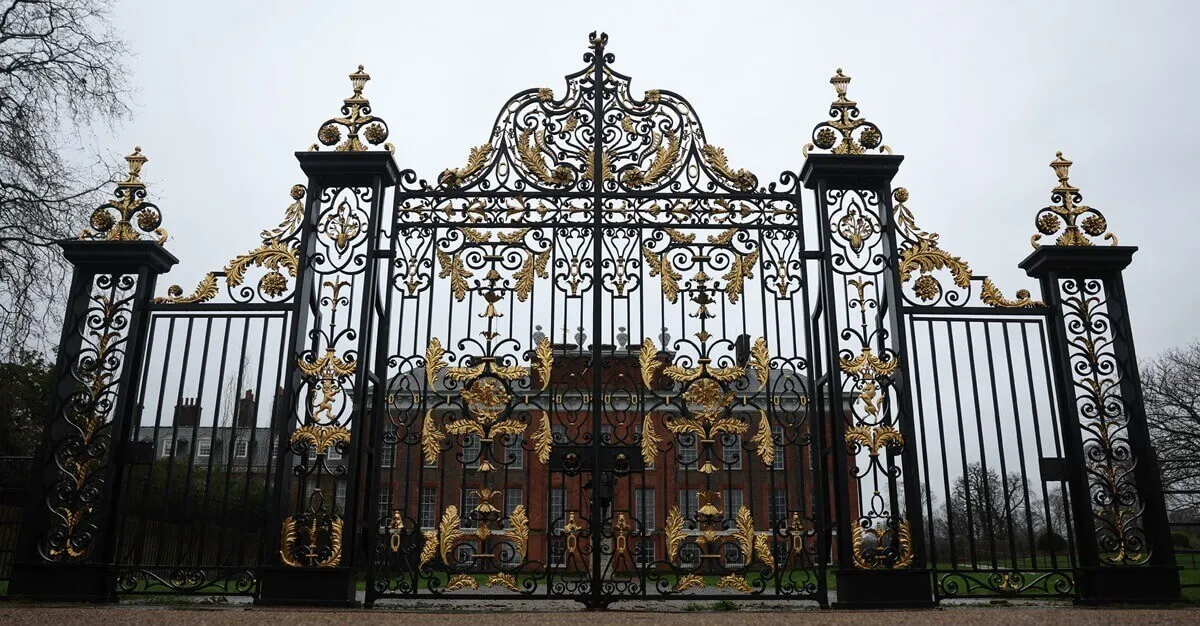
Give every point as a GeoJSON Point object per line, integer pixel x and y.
{"type": "Point", "coordinates": [1054, 469]}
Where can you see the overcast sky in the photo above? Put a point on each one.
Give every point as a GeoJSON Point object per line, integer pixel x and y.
{"type": "Point", "coordinates": [978, 96]}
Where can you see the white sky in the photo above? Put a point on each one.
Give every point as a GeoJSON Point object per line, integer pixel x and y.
{"type": "Point", "coordinates": [977, 96]}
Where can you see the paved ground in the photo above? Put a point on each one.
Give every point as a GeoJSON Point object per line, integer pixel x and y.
{"type": "Point", "coordinates": [196, 614]}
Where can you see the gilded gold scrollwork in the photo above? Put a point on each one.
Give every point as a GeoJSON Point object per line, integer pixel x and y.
{"type": "Point", "coordinates": [356, 116]}
{"type": "Point", "coordinates": [276, 254]}
{"type": "Point", "coordinates": [312, 538]}
{"type": "Point", "coordinates": [130, 204]}
{"type": "Point", "coordinates": [1063, 217]}
{"type": "Point", "coordinates": [838, 135]}
{"type": "Point", "coordinates": [876, 558]}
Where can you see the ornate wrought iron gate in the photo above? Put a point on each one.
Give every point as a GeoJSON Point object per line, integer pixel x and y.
{"type": "Point", "coordinates": [596, 362]}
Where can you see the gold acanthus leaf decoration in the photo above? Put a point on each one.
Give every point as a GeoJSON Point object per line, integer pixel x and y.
{"type": "Point", "coordinates": [674, 532]}
{"type": "Point", "coordinates": [716, 159]}
{"type": "Point", "coordinates": [906, 550]}
{"type": "Point", "coordinates": [503, 580]}
{"type": "Point", "coordinates": [725, 236]}
{"type": "Point", "coordinates": [319, 437]}
{"type": "Point", "coordinates": [992, 296]}
{"type": "Point", "coordinates": [431, 439]}
{"type": "Point", "coordinates": [454, 178]}
{"type": "Point", "coordinates": [664, 160]}
{"type": "Point", "coordinates": [678, 236]}
{"type": "Point", "coordinates": [287, 540]}
{"type": "Point", "coordinates": [335, 543]}
{"type": "Point", "coordinates": [760, 361]}
{"type": "Point", "coordinates": [461, 581]}
{"type": "Point", "coordinates": [205, 291]}
{"type": "Point", "coordinates": [927, 257]}
{"type": "Point", "coordinates": [519, 533]}
{"type": "Point", "coordinates": [534, 265]}
{"type": "Point", "coordinates": [543, 439]}
{"type": "Point", "coordinates": [461, 374]}
{"type": "Point", "coordinates": [448, 532]}
{"type": "Point", "coordinates": [907, 222]}
{"type": "Point", "coordinates": [454, 269]}
{"type": "Point", "coordinates": [605, 165]}
{"type": "Point", "coordinates": [660, 265]}
{"type": "Point", "coordinates": [763, 441]}
{"type": "Point", "coordinates": [429, 549]}
{"type": "Point", "coordinates": [762, 549]}
{"type": "Point", "coordinates": [529, 148]}
{"type": "Point", "coordinates": [872, 438]}
{"type": "Point", "coordinates": [687, 582]}
{"type": "Point", "coordinates": [434, 361]}
{"type": "Point", "coordinates": [474, 235]}
{"type": "Point", "coordinates": [272, 255]}
{"type": "Point", "coordinates": [650, 441]}
{"type": "Point", "coordinates": [515, 236]}
{"type": "Point", "coordinates": [733, 581]}
{"type": "Point", "coordinates": [745, 531]}
{"type": "Point", "coordinates": [648, 360]}
{"type": "Point", "coordinates": [545, 361]}
{"type": "Point", "coordinates": [867, 366]}
{"type": "Point", "coordinates": [740, 269]}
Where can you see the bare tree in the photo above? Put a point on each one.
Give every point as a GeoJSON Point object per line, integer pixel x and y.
{"type": "Point", "coordinates": [61, 73]}
{"type": "Point", "coordinates": [1171, 389]}
{"type": "Point", "coordinates": [992, 513]}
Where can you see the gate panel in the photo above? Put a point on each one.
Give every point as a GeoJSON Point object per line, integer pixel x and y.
{"type": "Point", "coordinates": [197, 485]}
{"type": "Point", "coordinates": [998, 510]}
{"type": "Point", "coordinates": [594, 389]}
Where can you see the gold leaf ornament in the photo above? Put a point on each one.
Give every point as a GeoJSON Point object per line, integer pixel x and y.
{"type": "Point", "coordinates": [763, 440]}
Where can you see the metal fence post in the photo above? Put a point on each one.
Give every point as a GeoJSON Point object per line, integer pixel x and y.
{"type": "Point", "coordinates": [331, 383]}
{"type": "Point", "coordinates": [880, 534]}
{"type": "Point", "coordinates": [67, 542]}
{"type": "Point", "coordinates": [1116, 492]}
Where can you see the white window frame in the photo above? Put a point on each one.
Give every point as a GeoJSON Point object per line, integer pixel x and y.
{"type": "Point", "coordinates": [166, 447]}
{"type": "Point", "coordinates": [644, 499]}
{"type": "Point", "coordinates": [730, 509]}
{"type": "Point", "coordinates": [735, 448]}
{"type": "Point", "coordinates": [428, 499]}
{"type": "Point", "coordinates": [516, 450]}
{"type": "Point", "coordinates": [241, 448]}
{"type": "Point", "coordinates": [777, 438]}
{"type": "Point", "coordinates": [201, 453]}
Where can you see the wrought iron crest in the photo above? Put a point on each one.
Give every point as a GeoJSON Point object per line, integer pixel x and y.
{"type": "Point", "coordinates": [1063, 217]}
{"type": "Point", "coordinates": [128, 216]}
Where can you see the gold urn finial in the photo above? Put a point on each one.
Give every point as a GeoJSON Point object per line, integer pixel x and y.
{"type": "Point", "coordinates": [840, 82]}
{"type": "Point", "coordinates": [846, 132]}
{"type": "Point", "coordinates": [128, 216]}
{"type": "Point", "coordinates": [1074, 223]}
{"type": "Point", "coordinates": [356, 116]}
{"type": "Point", "coordinates": [135, 161]}
{"type": "Point", "coordinates": [357, 81]}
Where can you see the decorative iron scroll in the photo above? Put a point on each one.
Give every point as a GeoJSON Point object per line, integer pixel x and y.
{"type": "Point", "coordinates": [511, 548]}
{"type": "Point", "coordinates": [1096, 376]}
{"type": "Point", "coordinates": [276, 254]}
{"type": "Point", "coordinates": [82, 451]}
{"type": "Point", "coordinates": [869, 369]}
{"type": "Point", "coordinates": [708, 533]}
{"type": "Point", "coordinates": [847, 132]}
{"type": "Point", "coordinates": [130, 204]}
{"type": "Point", "coordinates": [922, 257]}
{"type": "Point", "coordinates": [356, 116]}
{"type": "Point", "coordinates": [312, 538]}
{"type": "Point", "coordinates": [1062, 218]}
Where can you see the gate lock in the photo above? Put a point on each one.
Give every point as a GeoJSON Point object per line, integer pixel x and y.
{"type": "Point", "coordinates": [614, 461]}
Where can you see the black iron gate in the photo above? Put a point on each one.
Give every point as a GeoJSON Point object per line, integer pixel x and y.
{"type": "Point", "coordinates": [597, 362]}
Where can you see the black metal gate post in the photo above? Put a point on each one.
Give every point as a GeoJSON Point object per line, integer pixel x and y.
{"type": "Point", "coordinates": [878, 519]}
{"type": "Point", "coordinates": [68, 540]}
{"type": "Point", "coordinates": [331, 384]}
{"type": "Point", "coordinates": [1120, 519]}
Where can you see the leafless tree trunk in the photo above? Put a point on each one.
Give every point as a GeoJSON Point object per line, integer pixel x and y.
{"type": "Point", "coordinates": [61, 73]}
